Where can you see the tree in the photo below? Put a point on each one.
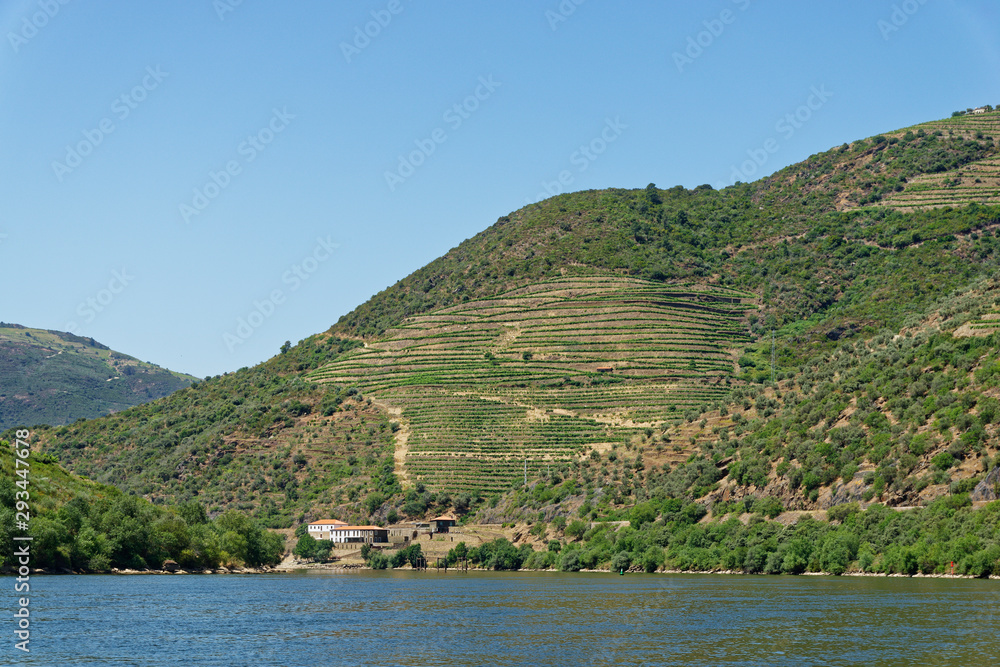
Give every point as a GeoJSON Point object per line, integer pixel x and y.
{"type": "Point", "coordinates": [500, 554]}
{"type": "Point", "coordinates": [576, 529]}
{"type": "Point", "coordinates": [652, 559]}
{"type": "Point", "coordinates": [323, 549]}
{"type": "Point", "coordinates": [570, 561]}
{"type": "Point", "coordinates": [378, 561]}
{"type": "Point", "coordinates": [411, 554]}
{"type": "Point", "coordinates": [305, 547]}
{"type": "Point", "coordinates": [286, 346]}
{"type": "Point", "coordinates": [652, 194]}
{"type": "Point", "coordinates": [193, 513]}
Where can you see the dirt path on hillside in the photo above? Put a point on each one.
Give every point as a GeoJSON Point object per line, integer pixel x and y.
{"type": "Point", "coordinates": [402, 439]}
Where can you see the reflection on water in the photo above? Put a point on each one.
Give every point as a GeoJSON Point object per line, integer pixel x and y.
{"type": "Point", "coordinates": [430, 618]}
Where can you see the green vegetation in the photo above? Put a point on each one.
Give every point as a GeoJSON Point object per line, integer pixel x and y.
{"type": "Point", "coordinates": [545, 373]}
{"type": "Point", "coordinates": [922, 540]}
{"type": "Point", "coordinates": [79, 525]}
{"type": "Point", "coordinates": [824, 336]}
{"type": "Point", "coordinates": [261, 440]}
{"type": "Point", "coordinates": [53, 377]}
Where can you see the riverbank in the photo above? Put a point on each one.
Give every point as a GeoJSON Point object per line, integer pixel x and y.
{"type": "Point", "coordinates": [355, 567]}
{"type": "Point", "coordinates": [335, 567]}
{"type": "Point", "coordinates": [239, 570]}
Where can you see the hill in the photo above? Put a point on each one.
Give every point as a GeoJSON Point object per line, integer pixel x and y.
{"type": "Point", "coordinates": [79, 525]}
{"type": "Point", "coordinates": [802, 339]}
{"type": "Point", "coordinates": [546, 374]}
{"type": "Point", "coordinates": [54, 377]}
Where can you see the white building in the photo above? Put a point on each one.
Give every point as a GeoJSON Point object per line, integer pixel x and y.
{"type": "Point", "coordinates": [979, 110]}
{"type": "Point", "coordinates": [321, 530]}
{"type": "Point", "coordinates": [360, 534]}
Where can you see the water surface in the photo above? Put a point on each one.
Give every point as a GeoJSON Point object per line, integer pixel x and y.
{"type": "Point", "coordinates": [477, 618]}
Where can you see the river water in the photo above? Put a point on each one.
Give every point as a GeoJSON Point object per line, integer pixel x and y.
{"type": "Point", "coordinates": [520, 618]}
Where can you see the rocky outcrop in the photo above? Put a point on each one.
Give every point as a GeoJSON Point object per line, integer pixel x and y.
{"type": "Point", "coordinates": [989, 488]}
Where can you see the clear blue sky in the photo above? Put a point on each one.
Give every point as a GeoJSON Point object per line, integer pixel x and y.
{"type": "Point", "coordinates": [300, 119]}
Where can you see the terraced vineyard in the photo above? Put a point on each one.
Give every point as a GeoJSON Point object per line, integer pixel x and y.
{"type": "Point", "coordinates": [546, 373]}
{"type": "Point", "coordinates": [976, 182]}
{"type": "Point", "coordinates": [988, 324]}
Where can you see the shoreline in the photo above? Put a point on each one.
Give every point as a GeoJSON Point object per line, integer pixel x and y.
{"type": "Point", "coordinates": [353, 567]}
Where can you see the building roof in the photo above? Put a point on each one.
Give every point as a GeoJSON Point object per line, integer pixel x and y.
{"type": "Point", "coordinates": [346, 527]}
{"type": "Point", "coordinates": [327, 522]}
{"type": "Point", "coordinates": [444, 517]}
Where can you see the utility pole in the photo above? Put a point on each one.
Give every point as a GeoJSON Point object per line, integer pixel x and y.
{"type": "Point", "coordinates": [526, 471]}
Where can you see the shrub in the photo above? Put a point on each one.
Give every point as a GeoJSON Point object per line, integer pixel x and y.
{"type": "Point", "coordinates": [570, 561]}
{"type": "Point", "coordinates": [839, 513]}
{"type": "Point", "coordinates": [575, 529]}
{"type": "Point", "coordinates": [621, 561]}
{"type": "Point", "coordinates": [411, 554]}
{"type": "Point", "coordinates": [768, 506]}
{"type": "Point", "coordinates": [943, 461]}
{"type": "Point", "coordinates": [378, 561]}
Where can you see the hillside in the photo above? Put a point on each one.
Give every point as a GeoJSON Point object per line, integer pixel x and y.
{"type": "Point", "coordinates": [79, 525]}
{"type": "Point", "coordinates": [53, 377]}
{"type": "Point", "coordinates": [261, 439]}
{"type": "Point", "coordinates": [618, 347]}
{"type": "Point", "coordinates": [493, 389]}
{"type": "Point", "coordinates": [679, 234]}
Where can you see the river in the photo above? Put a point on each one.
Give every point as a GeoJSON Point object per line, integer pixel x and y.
{"type": "Point", "coordinates": [521, 618]}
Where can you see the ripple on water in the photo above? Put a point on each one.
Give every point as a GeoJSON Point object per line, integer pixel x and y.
{"type": "Point", "coordinates": [430, 618]}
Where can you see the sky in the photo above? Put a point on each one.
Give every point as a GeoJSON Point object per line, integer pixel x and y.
{"type": "Point", "coordinates": [194, 183]}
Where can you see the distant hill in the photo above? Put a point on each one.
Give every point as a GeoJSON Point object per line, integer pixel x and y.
{"type": "Point", "coordinates": [54, 378]}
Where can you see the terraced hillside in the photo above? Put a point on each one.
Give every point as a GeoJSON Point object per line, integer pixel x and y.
{"type": "Point", "coordinates": [546, 373]}
{"type": "Point", "coordinates": [613, 317]}
{"type": "Point", "coordinates": [975, 182]}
